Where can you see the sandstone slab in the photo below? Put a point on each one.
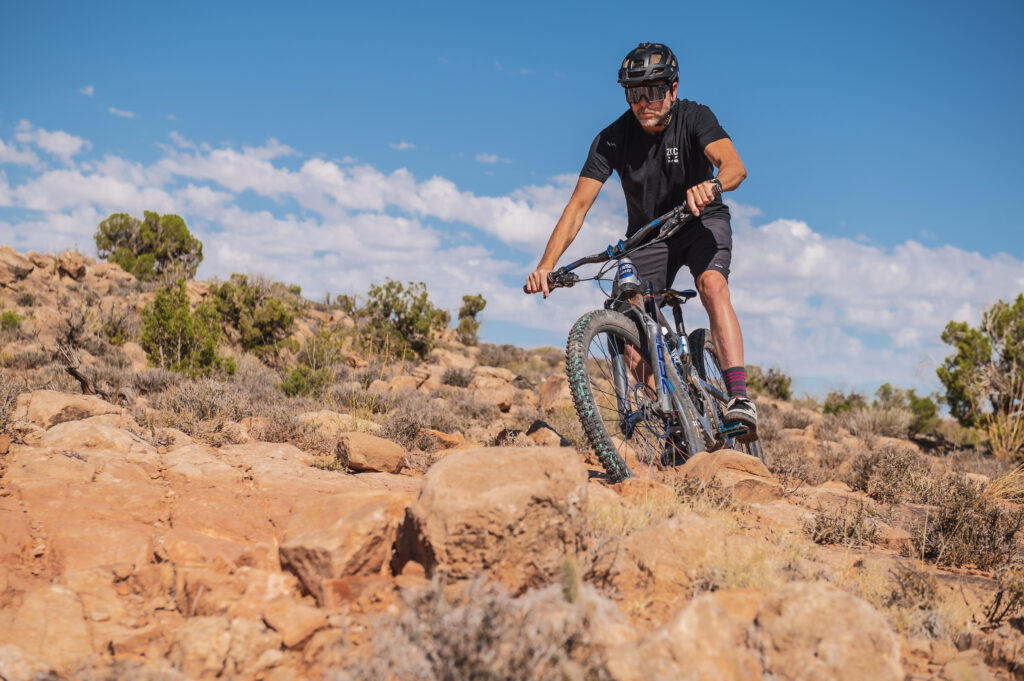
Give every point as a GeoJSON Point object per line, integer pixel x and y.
{"type": "Point", "coordinates": [805, 631]}
{"type": "Point", "coordinates": [516, 511]}
{"type": "Point", "coordinates": [47, 408]}
{"type": "Point", "coordinates": [365, 452]}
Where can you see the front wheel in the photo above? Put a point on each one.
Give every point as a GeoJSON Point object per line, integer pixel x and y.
{"type": "Point", "coordinates": [705, 361]}
{"type": "Point", "coordinates": [607, 367]}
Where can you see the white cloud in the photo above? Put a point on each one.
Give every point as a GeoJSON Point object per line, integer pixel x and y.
{"type": "Point", "coordinates": [57, 143]}
{"type": "Point", "coordinates": [11, 154]}
{"type": "Point", "coordinates": [88, 90]}
{"type": "Point", "coordinates": [121, 112]}
{"type": "Point", "coordinates": [491, 158]}
{"type": "Point", "coordinates": [832, 311]}
{"type": "Point", "coordinates": [402, 146]}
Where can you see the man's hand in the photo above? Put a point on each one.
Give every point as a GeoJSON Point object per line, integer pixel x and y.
{"type": "Point", "coordinates": [700, 195]}
{"type": "Point", "coordinates": [538, 281]}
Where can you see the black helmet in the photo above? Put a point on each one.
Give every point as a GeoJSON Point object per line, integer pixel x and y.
{"type": "Point", "coordinates": [649, 61]}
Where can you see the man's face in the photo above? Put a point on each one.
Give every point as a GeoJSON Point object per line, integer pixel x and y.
{"type": "Point", "coordinates": [651, 114]}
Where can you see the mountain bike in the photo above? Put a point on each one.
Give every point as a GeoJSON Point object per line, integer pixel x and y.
{"type": "Point", "coordinates": [646, 394]}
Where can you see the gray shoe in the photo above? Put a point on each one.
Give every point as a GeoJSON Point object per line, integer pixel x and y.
{"type": "Point", "coordinates": [742, 410]}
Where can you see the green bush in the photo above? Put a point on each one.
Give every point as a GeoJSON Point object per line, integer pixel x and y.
{"type": "Point", "coordinates": [176, 338]}
{"type": "Point", "coordinates": [985, 373]}
{"type": "Point", "coordinates": [156, 247]}
{"type": "Point", "coordinates": [302, 380]}
{"type": "Point", "coordinates": [261, 314]}
{"type": "Point", "coordinates": [10, 320]}
{"type": "Point", "coordinates": [773, 382]}
{"type": "Point", "coordinates": [837, 402]}
{"type": "Point", "coordinates": [468, 323]}
{"type": "Point", "coordinates": [924, 409]}
{"type": "Point", "coordinates": [401, 318]}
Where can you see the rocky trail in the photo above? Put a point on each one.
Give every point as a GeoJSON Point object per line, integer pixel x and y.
{"type": "Point", "coordinates": [136, 543]}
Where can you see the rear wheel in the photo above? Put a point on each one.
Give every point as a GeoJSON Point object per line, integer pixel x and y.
{"type": "Point", "coordinates": [618, 411]}
{"type": "Point", "coordinates": [705, 361]}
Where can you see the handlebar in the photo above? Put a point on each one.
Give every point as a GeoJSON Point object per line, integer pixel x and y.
{"type": "Point", "coordinates": [669, 224]}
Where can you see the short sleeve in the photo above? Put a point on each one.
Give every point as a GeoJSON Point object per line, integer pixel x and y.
{"type": "Point", "coordinates": [600, 162]}
{"type": "Point", "coordinates": [706, 128]}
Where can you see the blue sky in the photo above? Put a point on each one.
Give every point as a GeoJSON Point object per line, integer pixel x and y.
{"type": "Point", "coordinates": [333, 144]}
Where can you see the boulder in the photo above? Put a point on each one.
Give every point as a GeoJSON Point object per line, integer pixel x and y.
{"type": "Point", "coordinates": [200, 647]}
{"type": "Point", "coordinates": [294, 621]}
{"type": "Point", "coordinates": [365, 452]}
{"type": "Point", "coordinates": [543, 434]}
{"type": "Point", "coordinates": [498, 373]}
{"type": "Point", "coordinates": [701, 642]}
{"type": "Point", "coordinates": [450, 359]}
{"type": "Point", "coordinates": [15, 263]}
{"type": "Point", "coordinates": [805, 631]}
{"type": "Point", "coordinates": [343, 534]}
{"type": "Point", "coordinates": [47, 408]}
{"type": "Point", "coordinates": [71, 264]}
{"type": "Point", "coordinates": [50, 624]}
{"type": "Point", "coordinates": [17, 664]}
{"type": "Point", "coordinates": [39, 260]}
{"type": "Point", "coordinates": [515, 511]}
{"type": "Point", "coordinates": [745, 476]}
{"type": "Point", "coordinates": [554, 392]}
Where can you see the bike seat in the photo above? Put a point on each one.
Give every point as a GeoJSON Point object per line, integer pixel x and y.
{"type": "Point", "coordinates": [673, 297]}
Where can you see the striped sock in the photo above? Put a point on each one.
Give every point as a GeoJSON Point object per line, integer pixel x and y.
{"type": "Point", "coordinates": [736, 381]}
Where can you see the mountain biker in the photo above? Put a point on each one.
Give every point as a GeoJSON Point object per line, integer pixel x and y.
{"type": "Point", "coordinates": [665, 151]}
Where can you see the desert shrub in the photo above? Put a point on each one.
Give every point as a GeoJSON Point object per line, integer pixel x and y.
{"type": "Point", "coordinates": [119, 325]}
{"type": "Point", "coordinates": [481, 632]}
{"type": "Point", "coordinates": [1008, 600]}
{"type": "Point", "coordinates": [154, 380]}
{"type": "Point", "coordinates": [459, 378]}
{"type": "Point", "coordinates": [465, 408]}
{"type": "Point", "coordinates": [795, 418]}
{"type": "Point", "coordinates": [503, 356]}
{"type": "Point", "coordinates": [468, 323]}
{"type": "Point", "coordinates": [877, 420]}
{"type": "Point", "coordinates": [842, 525]}
{"type": "Point", "coordinates": [772, 382]}
{"type": "Point", "coordinates": [410, 413]}
{"type": "Point", "coordinates": [26, 360]}
{"type": "Point", "coordinates": [792, 465]}
{"type": "Point", "coordinates": [260, 313]}
{"type": "Point", "coordinates": [205, 399]}
{"type": "Point", "coordinates": [156, 247]}
{"type": "Point", "coordinates": [25, 299]}
{"type": "Point", "coordinates": [302, 380]}
{"type": "Point", "coordinates": [911, 602]}
{"type": "Point", "coordinates": [9, 391]}
{"type": "Point", "coordinates": [401, 319]}
{"type": "Point", "coordinates": [969, 528]}
{"type": "Point", "coordinates": [176, 338]}
{"type": "Point", "coordinates": [10, 320]}
{"type": "Point", "coordinates": [893, 475]}
{"type": "Point", "coordinates": [837, 402]}
{"type": "Point", "coordinates": [564, 420]}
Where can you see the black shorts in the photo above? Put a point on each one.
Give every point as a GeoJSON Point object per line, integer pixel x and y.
{"type": "Point", "coordinates": [701, 245]}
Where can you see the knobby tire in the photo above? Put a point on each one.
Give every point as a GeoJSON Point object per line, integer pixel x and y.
{"type": "Point", "coordinates": [593, 394]}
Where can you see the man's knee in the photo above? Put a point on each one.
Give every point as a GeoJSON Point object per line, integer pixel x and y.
{"type": "Point", "coordinates": [713, 288]}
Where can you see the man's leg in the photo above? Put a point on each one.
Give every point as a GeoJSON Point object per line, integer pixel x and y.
{"type": "Point", "coordinates": [725, 330]}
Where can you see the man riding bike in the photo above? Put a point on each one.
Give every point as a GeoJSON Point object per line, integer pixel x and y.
{"type": "Point", "coordinates": [665, 151]}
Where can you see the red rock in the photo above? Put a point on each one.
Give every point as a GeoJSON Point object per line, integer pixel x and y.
{"type": "Point", "coordinates": [515, 511]}
{"type": "Point", "coordinates": [294, 621]}
{"type": "Point", "coordinates": [344, 534]}
{"type": "Point", "coordinates": [554, 392]}
{"type": "Point", "coordinates": [47, 408]}
{"type": "Point", "coordinates": [817, 631]}
{"type": "Point", "coordinates": [50, 624]}
{"type": "Point", "coordinates": [365, 452]}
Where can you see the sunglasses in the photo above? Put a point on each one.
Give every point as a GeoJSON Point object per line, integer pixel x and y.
{"type": "Point", "coordinates": [653, 93]}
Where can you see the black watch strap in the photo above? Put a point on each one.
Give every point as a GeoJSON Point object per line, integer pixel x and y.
{"type": "Point", "coordinates": [718, 182]}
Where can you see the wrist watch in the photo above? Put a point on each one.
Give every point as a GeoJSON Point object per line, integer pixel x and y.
{"type": "Point", "coordinates": [718, 182]}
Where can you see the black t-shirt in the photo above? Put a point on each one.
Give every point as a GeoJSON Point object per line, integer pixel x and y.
{"type": "Point", "coordinates": [656, 170]}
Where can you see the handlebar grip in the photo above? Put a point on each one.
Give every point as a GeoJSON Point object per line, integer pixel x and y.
{"type": "Point", "coordinates": [555, 280]}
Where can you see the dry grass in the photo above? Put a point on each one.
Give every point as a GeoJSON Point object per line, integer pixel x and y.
{"type": "Point", "coordinates": [479, 631]}
{"type": "Point", "coordinates": [866, 422]}
{"type": "Point", "coordinates": [843, 525]}
{"type": "Point", "coordinates": [622, 519]}
{"type": "Point", "coordinates": [739, 562]}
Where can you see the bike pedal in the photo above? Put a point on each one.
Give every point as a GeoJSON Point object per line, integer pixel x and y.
{"type": "Point", "coordinates": [734, 430]}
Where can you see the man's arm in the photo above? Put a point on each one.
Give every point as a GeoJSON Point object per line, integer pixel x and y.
{"type": "Point", "coordinates": [731, 173]}
{"type": "Point", "coordinates": [565, 231]}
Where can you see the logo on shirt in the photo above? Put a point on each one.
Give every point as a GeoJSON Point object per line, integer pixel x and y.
{"type": "Point", "coordinates": [671, 154]}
